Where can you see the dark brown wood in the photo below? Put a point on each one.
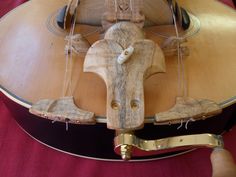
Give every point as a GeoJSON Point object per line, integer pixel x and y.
{"type": "Point", "coordinates": [97, 141]}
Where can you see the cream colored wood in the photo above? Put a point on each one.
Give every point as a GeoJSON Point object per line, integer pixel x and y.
{"type": "Point", "coordinates": [124, 34]}
{"type": "Point", "coordinates": [32, 61]}
{"type": "Point", "coordinates": [124, 82]}
{"type": "Point", "coordinates": [62, 110]}
{"type": "Point", "coordinates": [187, 109]}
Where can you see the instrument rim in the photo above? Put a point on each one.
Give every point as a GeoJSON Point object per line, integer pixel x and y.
{"type": "Point", "coordinates": [99, 119]}
{"type": "Point", "coordinates": [145, 159]}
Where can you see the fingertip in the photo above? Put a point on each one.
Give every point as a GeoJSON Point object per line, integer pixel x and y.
{"type": "Point", "coordinates": [222, 163]}
{"type": "Point", "coordinates": [221, 155]}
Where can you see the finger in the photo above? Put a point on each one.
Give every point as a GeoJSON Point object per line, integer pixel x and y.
{"type": "Point", "coordinates": [222, 164]}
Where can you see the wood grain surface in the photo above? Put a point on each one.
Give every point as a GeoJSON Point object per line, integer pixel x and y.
{"type": "Point", "coordinates": [32, 60]}
{"type": "Point", "coordinates": [124, 82]}
{"type": "Point", "coordinates": [155, 11]}
{"type": "Point", "coordinates": [188, 109]}
{"type": "Point", "coordinates": [120, 10]}
{"type": "Point", "coordinates": [62, 110]}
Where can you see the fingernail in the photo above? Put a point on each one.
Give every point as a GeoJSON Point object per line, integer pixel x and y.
{"type": "Point", "coordinates": [218, 149]}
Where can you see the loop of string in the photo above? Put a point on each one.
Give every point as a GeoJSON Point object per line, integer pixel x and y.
{"type": "Point", "coordinates": [182, 83]}
{"type": "Point", "coordinates": [69, 49]}
{"type": "Point", "coordinates": [190, 120]}
{"type": "Point", "coordinates": [181, 124]}
{"type": "Point", "coordinates": [186, 124]}
{"type": "Point", "coordinates": [69, 64]}
{"type": "Point", "coordinates": [68, 70]}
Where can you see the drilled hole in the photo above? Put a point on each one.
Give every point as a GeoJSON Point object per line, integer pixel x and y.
{"type": "Point", "coordinates": [67, 120]}
{"type": "Point", "coordinates": [115, 105]}
{"type": "Point", "coordinates": [126, 52]}
{"type": "Point", "coordinates": [134, 104]}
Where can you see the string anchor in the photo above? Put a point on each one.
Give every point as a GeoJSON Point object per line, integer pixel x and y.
{"type": "Point", "coordinates": [77, 44]}
{"type": "Point", "coordinates": [55, 120]}
{"type": "Point", "coordinates": [190, 120]}
{"type": "Point", "coordinates": [67, 123]}
{"type": "Point", "coordinates": [181, 125]}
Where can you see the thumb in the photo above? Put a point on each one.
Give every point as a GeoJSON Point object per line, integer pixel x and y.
{"type": "Point", "coordinates": [222, 163]}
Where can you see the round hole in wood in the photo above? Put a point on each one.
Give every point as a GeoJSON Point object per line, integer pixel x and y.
{"type": "Point", "coordinates": [126, 52]}
{"type": "Point", "coordinates": [115, 105]}
{"type": "Point", "coordinates": [134, 104]}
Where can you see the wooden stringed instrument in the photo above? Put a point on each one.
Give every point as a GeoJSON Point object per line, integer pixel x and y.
{"type": "Point", "coordinates": [181, 101]}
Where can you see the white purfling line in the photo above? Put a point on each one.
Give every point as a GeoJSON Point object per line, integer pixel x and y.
{"type": "Point", "coordinates": [11, 97]}
{"type": "Point", "coordinates": [100, 119]}
{"type": "Point", "coordinates": [104, 159]}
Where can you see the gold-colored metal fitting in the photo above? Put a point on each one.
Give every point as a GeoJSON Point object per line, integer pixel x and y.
{"type": "Point", "coordinates": [126, 152]}
{"type": "Point", "coordinates": [126, 142]}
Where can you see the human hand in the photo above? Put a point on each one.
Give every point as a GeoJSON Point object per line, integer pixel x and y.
{"type": "Point", "coordinates": [223, 164]}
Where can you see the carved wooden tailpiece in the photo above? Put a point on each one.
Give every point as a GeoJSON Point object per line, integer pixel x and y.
{"type": "Point", "coordinates": [187, 108]}
{"type": "Point", "coordinates": [123, 10]}
{"type": "Point", "coordinates": [63, 110]}
{"type": "Point", "coordinates": [125, 95]}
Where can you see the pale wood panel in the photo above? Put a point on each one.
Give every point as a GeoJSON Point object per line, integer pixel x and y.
{"type": "Point", "coordinates": [32, 61]}
{"type": "Point", "coordinates": [124, 81]}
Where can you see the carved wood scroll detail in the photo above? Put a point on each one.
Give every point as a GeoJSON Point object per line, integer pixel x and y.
{"type": "Point", "coordinates": [125, 95]}
{"type": "Point", "coordinates": [62, 110]}
{"type": "Point", "coordinates": [123, 10]}
{"type": "Point", "coordinates": [187, 108]}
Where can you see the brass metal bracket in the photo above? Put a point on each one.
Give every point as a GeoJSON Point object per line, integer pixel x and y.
{"type": "Point", "coordinates": [126, 143]}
